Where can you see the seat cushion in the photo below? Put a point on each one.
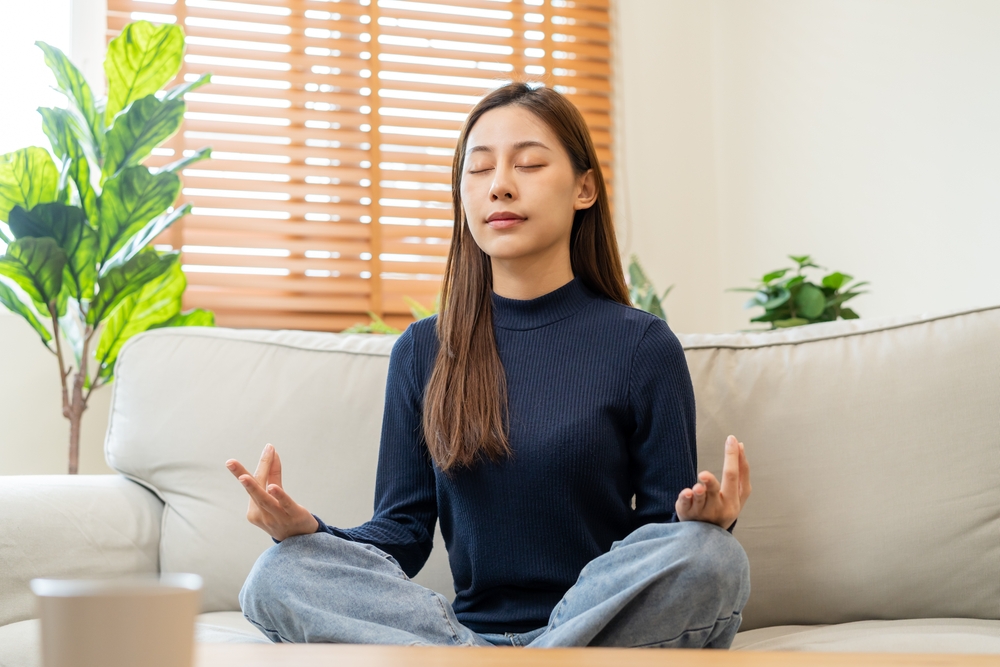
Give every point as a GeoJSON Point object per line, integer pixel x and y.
{"type": "Point", "coordinates": [227, 627]}
{"type": "Point", "coordinates": [930, 635]}
{"type": "Point", "coordinates": [874, 447]}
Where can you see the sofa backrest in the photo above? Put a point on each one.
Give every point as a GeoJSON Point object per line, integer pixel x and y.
{"type": "Point", "coordinates": [874, 447]}
{"type": "Point", "coordinates": [187, 399]}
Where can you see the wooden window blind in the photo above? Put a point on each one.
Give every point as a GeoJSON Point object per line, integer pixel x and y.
{"type": "Point", "coordinates": [333, 125]}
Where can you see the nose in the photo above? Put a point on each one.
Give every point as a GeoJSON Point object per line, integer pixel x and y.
{"type": "Point", "coordinates": [503, 185]}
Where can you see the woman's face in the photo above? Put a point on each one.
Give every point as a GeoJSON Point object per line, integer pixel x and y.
{"type": "Point", "coordinates": [516, 167]}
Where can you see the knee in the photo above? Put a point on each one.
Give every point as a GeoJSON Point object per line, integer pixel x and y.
{"type": "Point", "coordinates": [716, 561]}
{"type": "Point", "coordinates": [269, 575]}
{"type": "Point", "coordinates": [706, 557]}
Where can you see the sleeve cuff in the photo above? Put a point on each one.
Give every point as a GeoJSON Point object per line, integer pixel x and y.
{"type": "Point", "coordinates": [320, 528]}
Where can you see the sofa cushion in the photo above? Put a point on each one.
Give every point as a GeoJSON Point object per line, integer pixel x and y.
{"type": "Point", "coordinates": [72, 526]}
{"type": "Point", "coordinates": [227, 627]}
{"type": "Point", "coordinates": [185, 400]}
{"type": "Point", "coordinates": [932, 635]}
{"type": "Point", "coordinates": [874, 447]}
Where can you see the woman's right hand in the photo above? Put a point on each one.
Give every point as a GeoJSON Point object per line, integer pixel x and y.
{"type": "Point", "coordinates": [270, 508]}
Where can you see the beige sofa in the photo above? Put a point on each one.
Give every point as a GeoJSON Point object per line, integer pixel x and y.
{"type": "Point", "coordinates": [875, 447]}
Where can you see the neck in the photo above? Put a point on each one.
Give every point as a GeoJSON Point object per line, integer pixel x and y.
{"type": "Point", "coordinates": [532, 276]}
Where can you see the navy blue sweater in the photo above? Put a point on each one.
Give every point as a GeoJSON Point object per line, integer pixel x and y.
{"type": "Point", "coordinates": [601, 408]}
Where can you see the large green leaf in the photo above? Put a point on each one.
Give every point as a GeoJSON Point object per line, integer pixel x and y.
{"type": "Point", "coordinates": [192, 318]}
{"type": "Point", "coordinates": [182, 89]}
{"type": "Point", "coordinates": [810, 301]}
{"type": "Point", "coordinates": [142, 127]}
{"type": "Point", "coordinates": [59, 125]}
{"type": "Point", "coordinates": [836, 280]}
{"type": "Point", "coordinates": [197, 156]}
{"type": "Point", "coordinates": [637, 277]}
{"type": "Point", "coordinates": [773, 275]}
{"type": "Point", "coordinates": [779, 297]}
{"type": "Point", "coordinates": [71, 323]}
{"type": "Point", "coordinates": [127, 279]}
{"type": "Point", "coordinates": [69, 228]}
{"type": "Point", "coordinates": [158, 301]}
{"type": "Point", "coordinates": [73, 84]}
{"type": "Point", "coordinates": [131, 199]}
{"type": "Point", "coordinates": [36, 265]}
{"type": "Point", "coordinates": [141, 239]}
{"type": "Point", "coordinates": [13, 302]}
{"type": "Point", "coordinates": [141, 60]}
{"type": "Point", "coordinates": [27, 177]}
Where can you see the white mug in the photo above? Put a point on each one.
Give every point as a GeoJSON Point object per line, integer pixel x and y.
{"type": "Point", "coordinates": [118, 622]}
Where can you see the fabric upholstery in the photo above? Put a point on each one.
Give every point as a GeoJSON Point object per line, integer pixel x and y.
{"type": "Point", "coordinates": [62, 526]}
{"type": "Point", "coordinates": [874, 447]}
{"type": "Point", "coordinates": [932, 635]}
{"type": "Point", "coordinates": [186, 400]}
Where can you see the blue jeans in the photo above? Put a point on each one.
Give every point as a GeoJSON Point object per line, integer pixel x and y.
{"type": "Point", "coordinates": [678, 585]}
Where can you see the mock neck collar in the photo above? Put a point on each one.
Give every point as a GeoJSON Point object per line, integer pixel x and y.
{"type": "Point", "coordinates": [551, 307]}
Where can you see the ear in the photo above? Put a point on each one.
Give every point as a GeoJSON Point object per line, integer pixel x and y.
{"type": "Point", "coordinates": [586, 193]}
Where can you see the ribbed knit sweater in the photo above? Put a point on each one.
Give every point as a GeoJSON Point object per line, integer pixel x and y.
{"type": "Point", "coordinates": [601, 409]}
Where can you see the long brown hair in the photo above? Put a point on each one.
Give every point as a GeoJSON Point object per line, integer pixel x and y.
{"type": "Point", "coordinates": [465, 407]}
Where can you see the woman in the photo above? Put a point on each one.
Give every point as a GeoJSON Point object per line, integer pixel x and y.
{"type": "Point", "coordinates": [545, 422]}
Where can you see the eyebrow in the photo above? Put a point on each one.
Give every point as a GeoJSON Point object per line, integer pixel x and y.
{"type": "Point", "coordinates": [518, 146]}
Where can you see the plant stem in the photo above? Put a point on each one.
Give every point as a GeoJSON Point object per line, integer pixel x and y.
{"type": "Point", "coordinates": [72, 408]}
{"type": "Point", "coordinates": [62, 366]}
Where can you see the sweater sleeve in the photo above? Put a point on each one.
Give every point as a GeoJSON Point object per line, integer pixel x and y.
{"type": "Point", "coordinates": [663, 448]}
{"type": "Point", "coordinates": [405, 492]}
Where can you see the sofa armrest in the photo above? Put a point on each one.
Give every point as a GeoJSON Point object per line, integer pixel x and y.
{"type": "Point", "coordinates": [62, 526]}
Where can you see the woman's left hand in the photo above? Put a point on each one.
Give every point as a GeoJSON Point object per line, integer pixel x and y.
{"type": "Point", "coordinates": [717, 503]}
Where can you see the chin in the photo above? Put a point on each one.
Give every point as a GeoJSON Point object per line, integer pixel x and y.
{"type": "Point", "coordinates": [506, 248]}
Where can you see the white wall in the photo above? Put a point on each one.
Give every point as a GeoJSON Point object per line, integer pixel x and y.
{"type": "Point", "coordinates": [34, 436]}
{"type": "Point", "coordinates": [865, 132]}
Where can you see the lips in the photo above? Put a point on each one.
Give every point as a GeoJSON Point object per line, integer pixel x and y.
{"type": "Point", "coordinates": [503, 220]}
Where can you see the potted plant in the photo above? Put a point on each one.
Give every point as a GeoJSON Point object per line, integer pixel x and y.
{"type": "Point", "coordinates": [642, 292]}
{"type": "Point", "coordinates": [76, 221]}
{"type": "Point", "coordinates": [791, 301]}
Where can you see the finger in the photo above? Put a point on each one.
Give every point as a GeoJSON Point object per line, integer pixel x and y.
{"type": "Point", "coordinates": [284, 500]}
{"type": "Point", "coordinates": [744, 475]}
{"type": "Point", "coordinates": [264, 465]}
{"type": "Point", "coordinates": [683, 504]}
{"type": "Point", "coordinates": [236, 468]}
{"type": "Point", "coordinates": [711, 483]}
{"type": "Point", "coordinates": [259, 495]}
{"type": "Point", "coordinates": [731, 470]}
{"type": "Point", "coordinates": [275, 476]}
{"type": "Point", "coordinates": [700, 495]}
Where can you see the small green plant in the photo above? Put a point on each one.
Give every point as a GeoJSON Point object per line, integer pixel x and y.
{"type": "Point", "coordinates": [77, 221]}
{"type": "Point", "coordinates": [642, 292]}
{"type": "Point", "coordinates": [378, 325]}
{"type": "Point", "coordinates": [793, 300]}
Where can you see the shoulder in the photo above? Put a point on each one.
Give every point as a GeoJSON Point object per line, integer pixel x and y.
{"type": "Point", "coordinates": [417, 345]}
{"type": "Point", "coordinates": [422, 333]}
{"type": "Point", "coordinates": [642, 332]}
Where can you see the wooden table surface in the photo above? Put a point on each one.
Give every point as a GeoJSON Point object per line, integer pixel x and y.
{"type": "Point", "coordinates": [344, 655]}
